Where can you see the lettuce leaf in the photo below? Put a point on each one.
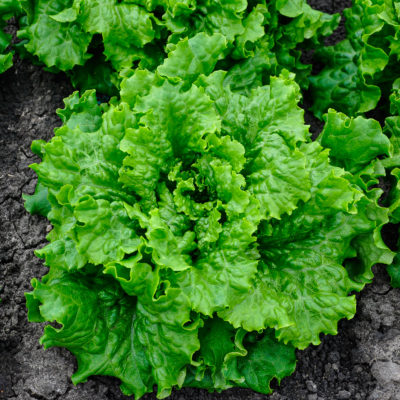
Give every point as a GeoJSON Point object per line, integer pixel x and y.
{"type": "Point", "coordinates": [112, 339]}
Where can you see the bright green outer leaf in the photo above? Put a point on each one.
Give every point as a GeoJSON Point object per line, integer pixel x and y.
{"type": "Point", "coordinates": [370, 247]}
{"type": "Point", "coordinates": [303, 288]}
{"type": "Point", "coordinates": [59, 44]}
{"type": "Point", "coordinates": [73, 158]}
{"type": "Point", "coordinates": [80, 169]}
{"type": "Point", "coordinates": [105, 232]}
{"type": "Point", "coordinates": [81, 112]}
{"type": "Point", "coordinates": [142, 342]}
{"type": "Point", "coordinates": [276, 168]}
{"type": "Point", "coordinates": [371, 250]}
{"type": "Point", "coordinates": [38, 202]}
{"type": "Point", "coordinates": [136, 83]}
{"type": "Point", "coordinates": [289, 8]}
{"type": "Point", "coordinates": [224, 16]}
{"type": "Point", "coordinates": [193, 57]}
{"type": "Point", "coordinates": [119, 19]}
{"type": "Point", "coordinates": [271, 109]}
{"type": "Point", "coordinates": [95, 231]}
{"type": "Point", "coordinates": [353, 142]}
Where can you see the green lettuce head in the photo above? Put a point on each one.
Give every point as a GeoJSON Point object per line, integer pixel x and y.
{"type": "Point", "coordinates": [199, 236]}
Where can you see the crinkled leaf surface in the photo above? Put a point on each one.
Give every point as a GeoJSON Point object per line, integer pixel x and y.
{"type": "Point", "coordinates": [62, 44]}
{"type": "Point", "coordinates": [353, 142]}
{"type": "Point", "coordinates": [140, 342]}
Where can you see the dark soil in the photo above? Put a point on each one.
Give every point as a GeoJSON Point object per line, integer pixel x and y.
{"type": "Point", "coordinates": [361, 362]}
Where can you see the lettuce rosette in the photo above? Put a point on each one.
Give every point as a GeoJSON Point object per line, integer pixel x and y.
{"type": "Point", "coordinates": [199, 235]}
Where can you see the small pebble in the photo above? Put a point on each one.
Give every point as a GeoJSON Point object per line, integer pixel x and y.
{"type": "Point", "coordinates": [311, 386]}
{"type": "Point", "coordinates": [343, 395]}
{"type": "Point", "coordinates": [313, 396]}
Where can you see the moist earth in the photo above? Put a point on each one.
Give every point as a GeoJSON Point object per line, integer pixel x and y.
{"type": "Point", "coordinates": [361, 362]}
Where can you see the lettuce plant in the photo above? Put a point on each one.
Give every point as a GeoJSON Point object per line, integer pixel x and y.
{"type": "Point", "coordinates": [199, 235]}
{"type": "Point", "coordinates": [8, 9]}
{"type": "Point", "coordinates": [361, 147]}
{"type": "Point", "coordinates": [361, 71]}
{"type": "Point", "coordinates": [371, 154]}
{"type": "Point", "coordinates": [365, 64]}
{"type": "Point", "coordinates": [392, 164]}
{"type": "Point", "coordinates": [93, 40]}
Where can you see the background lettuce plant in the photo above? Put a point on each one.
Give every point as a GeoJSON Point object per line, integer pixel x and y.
{"type": "Point", "coordinates": [93, 40]}
{"type": "Point", "coordinates": [362, 67]}
{"type": "Point", "coordinates": [359, 76]}
{"type": "Point", "coordinates": [392, 164]}
{"type": "Point", "coordinates": [199, 235]}
{"type": "Point", "coordinates": [8, 9]}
